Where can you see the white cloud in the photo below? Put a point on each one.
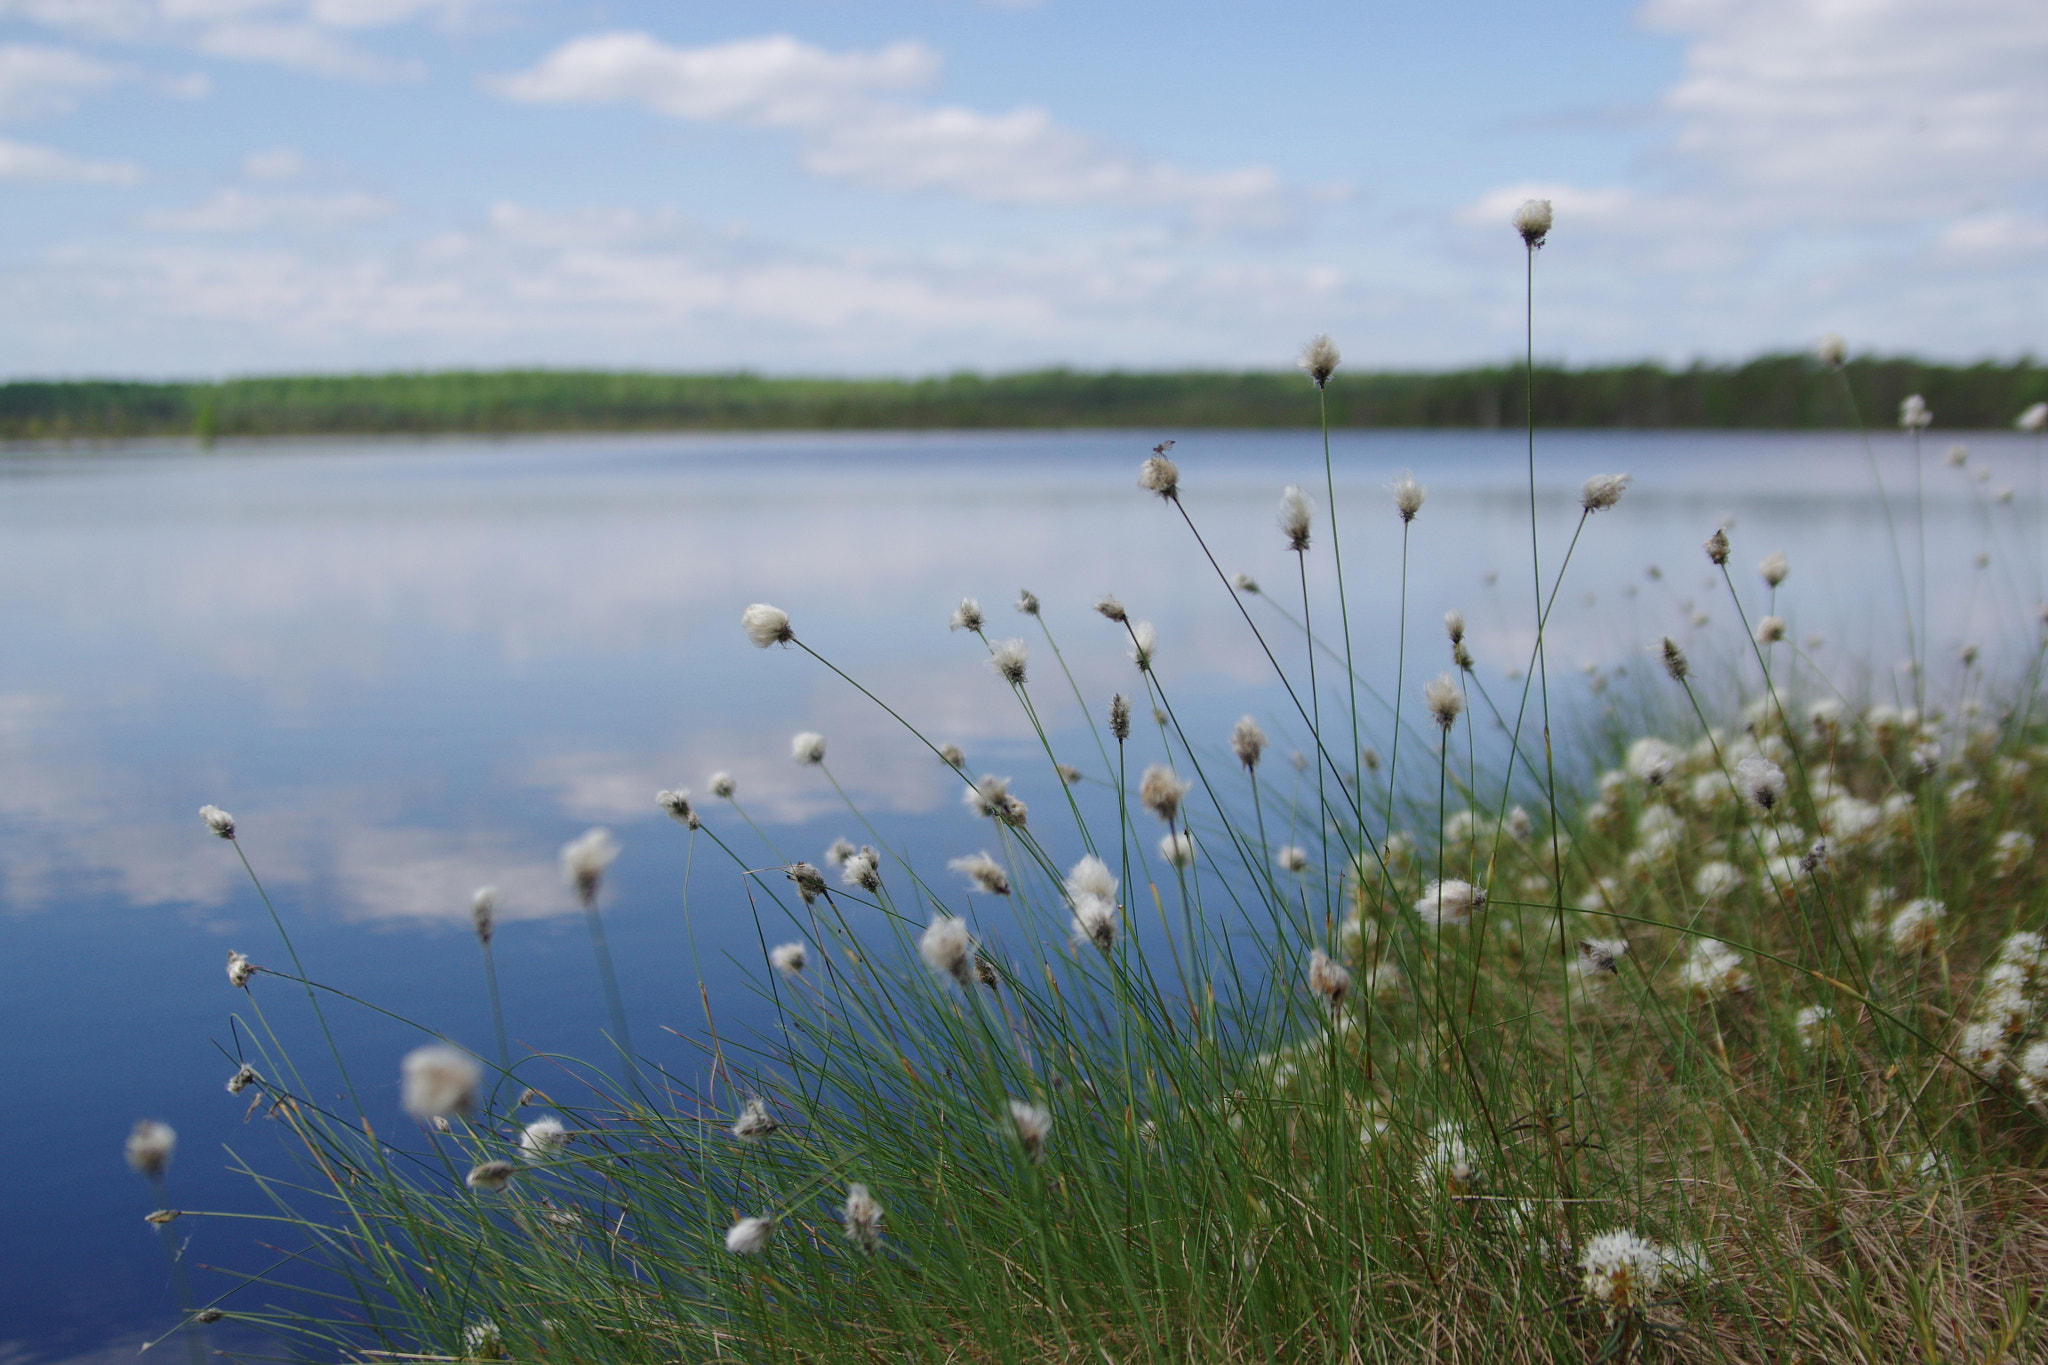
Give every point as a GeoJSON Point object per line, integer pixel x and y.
{"type": "Point", "coordinates": [850, 132]}
{"type": "Point", "coordinates": [238, 211]}
{"type": "Point", "coordinates": [24, 161]}
{"type": "Point", "coordinates": [47, 80]}
{"type": "Point", "coordinates": [2003, 234]}
{"type": "Point", "coordinates": [274, 163]}
{"type": "Point", "coordinates": [302, 47]}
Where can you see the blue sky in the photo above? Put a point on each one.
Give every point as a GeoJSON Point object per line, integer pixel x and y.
{"type": "Point", "coordinates": [209, 187]}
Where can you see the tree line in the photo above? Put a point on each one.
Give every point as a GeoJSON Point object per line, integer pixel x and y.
{"type": "Point", "coordinates": [1778, 392]}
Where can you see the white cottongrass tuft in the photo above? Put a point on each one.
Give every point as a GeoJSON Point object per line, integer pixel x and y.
{"type": "Point", "coordinates": [1095, 921]}
{"type": "Point", "coordinates": [1328, 977]}
{"type": "Point", "coordinates": [808, 747]}
{"type": "Point", "coordinates": [1007, 659]}
{"type": "Point", "coordinates": [990, 798]}
{"type": "Point", "coordinates": [985, 871]}
{"type": "Point", "coordinates": [677, 804]}
{"type": "Point", "coordinates": [1120, 717]}
{"type": "Point", "coordinates": [754, 1122]}
{"type": "Point", "coordinates": [749, 1235]}
{"type": "Point", "coordinates": [1760, 781]}
{"type": "Point", "coordinates": [842, 848]}
{"type": "Point", "coordinates": [863, 1217]}
{"type": "Point", "coordinates": [218, 820]}
{"type": "Point", "coordinates": [810, 883]}
{"type": "Point", "coordinates": [1716, 545]}
{"type": "Point", "coordinates": [150, 1146]}
{"type": "Point", "coordinates": [1916, 926]}
{"type": "Point", "coordinates": [948, 949]}
{"type": "Point", "coordinates": [1533, 221]}
{"type": "Point", "coordinates": [721, 786]}
{"type": "Point", "coordinates": [766, 625]}
{"type": "Point", "coordinates": [483, 913]}
{"type": "Point", "coordinates": [1247, 741]}
{"type": "Point", "coordinates": [2035, 418]}
{"type": "Point", "coordinates": [1770, 630]}
{"type": "Point", "coordinates": [1623, 1272]}
{"type": "Point", "coordinates": [1674, 660]}
{"type": "Point", "coordinates": [863, 870]}
{"type": "Point", "coordinates": [1914, 414]}
{"type": "Point", "coordinates": [1444, 699]}
{"type": "Point", "coordinates": [1159, 474]}
{"type": "Point", "coordinates": [244, 1077]}
{"type": "Point", "coordinates": [1027, 601]}
{"type": "Point", "coordinates": [1091, 877]}
{"type": "Point", "coordinates": [1111, 608]}
{"type": "Point", "coordinates": [1408, 495]}
{"type": "Point", "coordinates": [789, 958]}
{"type": "Point", "coordinates": [1449, 902]}
{"type": "Point", "coordinates": [1956, 456]}
{"type": "Point", "coordinates": [1032, 1123]}
{"type": "Point", "coordinates": [1650, 760]}
{"type": "Point", "coordinates": [1447, 1165]}
{"type": "Point", "coordinates": [437, 1079]}
{"type": "Point", "coordinates": [1832, 351]}
{"type": "Point", "coordinates": [1245, 583]}
{"type": "Point", "coordinates": [1292, 858]}
{"type": "Point", "coordinates": [1177, 849]}
{"type": "Point", "coordinates": [1297, 517]}
{"type": "Point", "coordinates": [1717, 879]}
{"type": "Point", "coordinates": [542, 1140]}
{"type": "Point", "coordinates": [490, 1176]}
{"type": "Point", "coordinates": [240, 969]}
{"type": "Point", "coordinates": [1712, 971]}
{"type": "Point", "coordinates": [1774, 567]}
{"type": "Point", "coordinates": [1602, 491]}
{"type": "Point", "coordinates": [1602, 954]}
{"type": "Point", "coordinates": [1813, 1026]}
{"type": "Point", "coordinates": [584, 860]}
{"type": "Point", "coordinates": [1320, 359]}
{"type": "Point", "coordinates": [966, 616]}
{"type": "Point", "coordinates": [1454, 625]}
{"type": "Point", "coordinates": [1161, 792]}
{"type": "Point", "coordinates": [1143, 641]}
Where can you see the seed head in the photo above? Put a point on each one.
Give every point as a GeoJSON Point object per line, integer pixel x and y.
{"type": "Point", "coordinates": [1602, 491]}
{"type": "Point", "coordinates": [490, 1176]}
{"type": "Point", "coordinates": [749, 1235]}
{"type": "Point", "coordinates": [1328, 978]}
{"type": "Point", "coordinates": [244, 1077]}
{"type": "Point", "coordinates": [436, 1080]}
{"type": "Point", "coordinates": [966, 616]}
{"type": "Point", "coordinates": [1454, 625]}
{"type": "Point", "coordinates": [952, 756]}
{"type": "Point", "coordinates": [1320, 359]}
{"type": "Point", "coordinates": [1408, 495]}
{"type": "Point", "coordinates": [1032, 1123]}
{"type": "Point", "coordinates": [584, 860]}
{"type": "Point", "coordinates": [990, 798]}
{"type": "Point", "coordinates": [754, 1122]}
{"type": "Point", "coordinates": [807, 748]}
{"type": "Point", "coordinates": [240, 969]}
{"type": "Point", "coordinates": [810, 883]}
{"type": "Point", "coordinates": [1297, 514]}
{"type": "Point", "coordinates": [218, 820]}
{"type": "Point", "coordinates": [1713, 970]}
{"type": "Point", "coordinates": [1449, 903]}
{"type": "Point", "coordinates": [1120, 712]}
{"type": "Point", "coordinates": [1248, 742]}
{"type": "Point", "coordinates": [1774, 567]}
{"type": "Point", "coordinates": [1957, 456]}
{"type": "Point", "coordinates": [948, 949]}
{"type": "Point", "coordinates": [1760, 780]}
{"type": "Point", "coordinates": [721, 786]}
{"type": "Point", "coordinates": [1095, 921]}
{"type": "Point", "coordinates": [1245, 584]}
{"type": "Point", "coordinates": [863, 871]}
{"type": "Point", "coordinates": [542, 1140]}
{"type": "Point", "coordinates": [1717, 546]}
{"type": "Point", "coordinates": [1533, 220]}
{"type": "Point", "coordinates": [985, 871]}
{"type": "Point", "coordinates": [1007, 659]}
{"type": "Point", "coordinates": [1143, 639]}
{"type": "Point", "coordinates": [2035, 418]}
{"type": "Point", "coordinates": [1159, 474]}
{"type": "Point", "coordinates": [1091, 877]}
{"type": "Point", "coordinates": [1621, 1272]}
{"type": "Point", "coordinates": [150, 1146]}
{"type": "Point", "coordinates": [766, 625]}
{"type": "Point", "coordinates": [1112, 608]}
{"type": "Point", "coordinates": [863, 1218]}
{"type": "Point", "coordinates": [1444, 699]}
{"type": "Point", "coordinates": [1177, 849]}
{"type": "Point", "coordinates": [483, 916]}
{"type": "Point", "coordinates": [789, 958]}
{"type": "Point", "coordinates": [1292, 858]}
{"type": "Point", "coordinates": [1027, 602]}
{"type": "Point", "coordinates": [1674, 660]}
{"type": "Point", "coordinates": [1914, 414]}
{"type": "Point", "coordinates": [839, 852]}
{"type": "Point", "coordinates": [677, 804]}
{"type": "Point", "coordinates": [1161, 792]}
{"type": "Point", "coordinates": [1832, 351]}
{"type": "Point", "coordinates": [1600, 954]}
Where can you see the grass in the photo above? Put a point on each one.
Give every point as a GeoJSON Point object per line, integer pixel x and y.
{"type": "Point", "coordinates": [1737, 1055]}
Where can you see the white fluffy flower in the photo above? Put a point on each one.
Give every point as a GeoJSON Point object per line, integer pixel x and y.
{"type": "Point", "coordinates": [1760, 780]}
{"type": "Point", "coordinates": [542, 1139]}
{"type": "Point", "coordinates": [1159, 474]}
{"type": "Point", "coordinates": [1713, 970]}
{"type": "Point", "coordinates": [1161, 792]}
{"type": "Point", "coordinates": [1917, 925]}
{"type": "Point", "coordinates": [1449, 902]}
{"type": "Point", "coordinates": [1774, 566]}
{"type": "Point", "coordinates": [677, 804]}
{"type": "Point", "coordinates": [1328, 977]}
{"type": "Point", "coordinates": [1602, 491]}
{"type": "Point", "coordinates": [150, 1146]}
{"type": "Point", "coordinates": [1533, 220]}
{"type": "Point", "coordinates": [1095, 921]}
{"type": "Point", "coordinates": [788, 958]}
{"type": "Point", "coordinates": [1292, 858]}
{"type": "Point", "coordinates": [1008, 658]}
{"type": "Point", "coordinates": [1032, 1123]}
{"type": "Point", "coordinates": [807, 747]}
{"type": "Point", "coordinates": [1091, 877]}
{"type": "Point", "coordinates": [984, 871]}
{"type": "Point", "coordinates": [754, 1122]}
{"type": "Point", "coordinates": [948, 949]}
{"type": "Point", "coordinates": [1650, 760]}
{"type": "Point", "coordinates": [437, 1079]}
{"type": "Point", "coordinates": [1444, 699]}
{"type": "Point", "coordinates": [584, 860]}
{"type": "Point", "coordinates": [1297, 517]}
{"type": "Point", "coordinates": [1408, 495]}
{"type": "Point", "coordinates": [1622, 1272]}
{"type": "Point", "coordinates": [240, 969]}
{"type": "Point", "coordinates": [218, 820]}
{"type": "Point", "coordinates": [1832, 351]}
{"type": "Point", "coordinates": [1914, 414]}
{"type": "Point", "coordinates": [749, 1235]}
{"type": "Point", "coordinates": [966, 616]}
{"type": "Point", "coordinates": [490, 1176]}
{"type": "Point", "coordinates": [766, 625]}
{"type": "Point", "coordinates": [1178, 849]}
{"type": "Point", "coordinates": [863, 870]}
{"type": "Point", "coordinates": [721, 786]}
{"type": "Point", "coordinates": [863, 1218]}
{"type": "Point", "coordinates": [1320, 359]}
{"type": "Point", "coordinates": [2035, 418]}
{"type": "Point", "coordinates": [1144, 640]}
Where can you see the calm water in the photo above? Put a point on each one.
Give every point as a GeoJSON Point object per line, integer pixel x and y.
{"type": "Point", "coordinates": [412, 669]}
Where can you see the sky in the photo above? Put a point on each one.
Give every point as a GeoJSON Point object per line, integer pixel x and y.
{"type": "Point", "coordinates": [204, 188]}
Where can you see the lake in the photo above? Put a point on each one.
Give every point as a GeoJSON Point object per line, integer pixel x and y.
{"type": "Point", "coordinates": [409, 669]}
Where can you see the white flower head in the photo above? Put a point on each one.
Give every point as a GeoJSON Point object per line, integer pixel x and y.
{"type": "Point", "coordinates": [863, 1218]}
{"type": "Point", "coordinates": [984, 871]}
{"type": "Point", "coordinates": [1956, 456]}
{"type": "Point", "coordinates": [754, 1121]}
{"type": "Point", "coordinates": [2035, 418]}
{"type": "Point", "coordinates": [584, 860]}
{"type": "Point", "coordinates": [721, 786]}
{"type": "Point", "coordinates": [483, 913]}
{"type": "Point", "coordinates": [1914, 414]}
{"type": "Point", "coordinates": [490, 1176]}
{"type": "Point", "coordinates": [1408, 495]}
{"type": "Point", "coordinates": [789, 958]}
{"type": "Point", "coordinates": [1444, 700]}
{"type": "Point", "coordinates": [542, 1140]}
{"type": "Point", "coordinates": [240, 969]}
{"type": "Point", "coordinates": [679, 808]}
{"type": "Point", "coordinates": [1292, 858]}
{"type": "Point", "coordinates": [218, 820]}
{"type": "Point", "coordinates": [1917, 925]}
{"type": "Point", "coordinates": [1533, 221]}
{"type": "Point", "coordinates": [1297, 517]}
{"type": "Point", "coordinates": [1091, 877]}
{"type": "Point", "coordinates": [1143, 641]}
{"type": "Point", "coordinates": [1320, 359]}
{"type": "Point", "coordinates": [990, 798]}
{"type": "Point", "coordinates": [1770, 630]}
{"type": "Point", "coordinates": [1111, 608]}
{"type": "Point", "coordinates": [1449, 902]}
{"type": "Point", "coordinates": [1027, 602]}
{"type": "Point", "coordinates": [966, 616]}
{"type": "Point", "coordinates": [1178, 849]}
{"type": "Point", "coordinates": [1328, 977]}
{"type": "Point", "coordinates": [1760, 781]}
{"type": "Point", "coordinates": [807, 748]}
{"type": "Point", "coordinates": [1447, 1164]}
{"type": "Point", "coordinates": [1602, 954]}
{"type": "Point", "coordinates": [150, 1146]}
{"type": "Point", "coordinates": [1007, 659]}
{"type": "Point", "coordinates": [766, 625]}
{"type": "Point", "coordinates": [1095, 921]}
{"type": "Point", "coordinates": [1832, 351]}
{"type": "Point", "coordinates": [1247, 741]}
{"type": "Point", "coordinates": [1650, 760]}
{"type": "Point", "coordinates": [841, 849]}
{"type": "Point", "coordinates": [810, 882]}
{"type": "Point", "coordinates": [1120, 717]}
{"type": "Point", "coordinates": [1159, 474]}
{"type": "Point", "coordinates": [1032, 1124]}
{"type": "Point", "coordinates": [1774, 567]}
{"type": "Point", "coordinates": [1621, 1272]}
{"type": "Point", "coordinates": [749, 1235]}
{"type": "Point", "coordinates": [862, 871]}
{"type": "Point", "coordinates": [1713, 970]}
{"type": "Point", "coordinates": [1813, 1025]}
{"type": "Point", "coordinates": [436, 1080]}
{"type": "Point", "coordinates": [1161, 792]}
{"type": "Point", "coordinates": [948, 949]}
{"type": "Point", "coordinates": [1602, 491]}
{"type": "Point", "coordinates": [244, 1077]}
{"type": "Point", "coordinates": [1674, 660]}
{"type": "Point", "coordinates": [1454, 625]}
{"type": "Point", "coordinates": [1245, 584]}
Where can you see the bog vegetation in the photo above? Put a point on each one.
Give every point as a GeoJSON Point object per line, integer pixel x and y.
{"type": "Point", "coordinates": [1741, 1055]}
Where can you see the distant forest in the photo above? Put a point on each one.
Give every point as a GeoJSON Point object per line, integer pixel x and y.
{"type": "Point", "coordinates": [1774, 392]}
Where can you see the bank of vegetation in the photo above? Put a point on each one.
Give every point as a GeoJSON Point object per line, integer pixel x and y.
{"type": "Point", "coordinates": [1778, 392]}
